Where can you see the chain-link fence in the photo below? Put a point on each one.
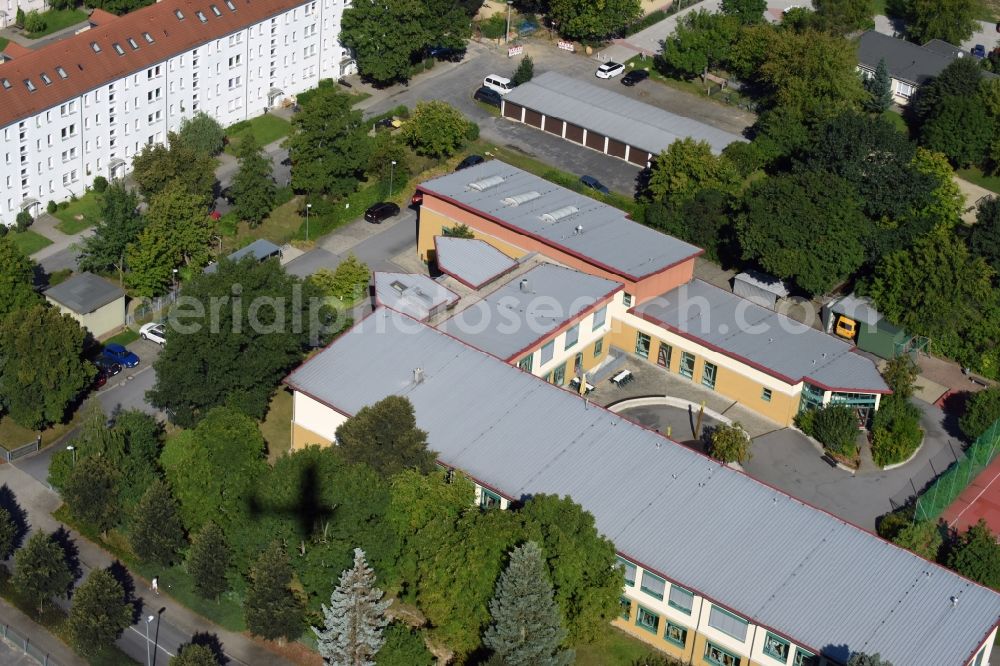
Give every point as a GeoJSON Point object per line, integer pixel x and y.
{"type": "Point", "coordinates": [950, 485]}
{"type": "Point", "coordinates": [23, 644]}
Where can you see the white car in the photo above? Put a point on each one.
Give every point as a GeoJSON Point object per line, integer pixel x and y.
{"type": "Point", "coordinates": [610, 70]}
{"type": "Point", "coordinates": [153, 332]}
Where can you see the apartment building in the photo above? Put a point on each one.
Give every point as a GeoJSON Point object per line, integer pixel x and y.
{"type": "Point", "coordinates": [84, 106]}
{"type": "Point", "coordinates": [8, 9]}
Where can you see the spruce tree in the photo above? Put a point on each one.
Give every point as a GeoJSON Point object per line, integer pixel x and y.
{"type": "Point", "coordinates": [208, 560]}
{"type": "Point", "coordinates": [8, 534]}
{"type": "Point", "coordinates": [99, 614]}
{"type": "Point", "coordinates": [527, 627]}
{"type": "Point", "coordinates": [273, 610]}
{"type": "Point", "coordinates": [880, 89]}
{"type": "Point", "coordinates": [355, 618]}
{"type": "Point", "coordinates": [40, 570]}
{"type": "Point", "coordinates": [524, 72]}
{"type": "Point", "coordinates": [157, 533]}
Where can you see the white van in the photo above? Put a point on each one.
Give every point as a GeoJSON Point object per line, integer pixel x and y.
{"type": "Point", "coordinates": [501, 84]}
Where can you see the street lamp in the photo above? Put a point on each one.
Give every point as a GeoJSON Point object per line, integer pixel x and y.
{"type": "Point", "coordinates": [392, 167]}
{"type": "Point", "coordinates": [73, 449]}
{"type": "Point", "coordinates": [506, 36]}
{"type": "Point", "coordinates": [308, 208]}
{"type": "Point", "coordinates": [149, 619]}
{"type": "Point", "coordinates": [175, 279]}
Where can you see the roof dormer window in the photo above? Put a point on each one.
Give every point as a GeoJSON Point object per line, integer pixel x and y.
{"type": "Point", "coordinates": [232, 7]}
{"type": "Point", "coordinates": [45, 79]}
{"type": "Point", "coordinates": [215, 10]}
{"type": "Point", "coordinates": [179, 14]}
{"type": "Point", "coordinates": [131, 42]}
{"type": "Point", "coordinates": [30, 86]}
{"type": "Point", "coordinates": [118, 48]}
{"type": "Point", "coordinates": [201, 16]}
{"type": "Point", "coordinates": [96, 47]}
{"type": "Point", "coordinates": [5, 83]}
{"type": "Point", "coordinates": [148, 37]}
{"type": "Point", "coordinates": [61, 72]}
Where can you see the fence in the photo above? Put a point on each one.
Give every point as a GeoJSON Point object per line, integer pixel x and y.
{"type": "Point", "coordinates": [11, 455]}
{"type": "Point", "coordinates": [24, 645]}
{"type": "Point", "coordinates": [149, 309]}
{"type": "Point", "coordinates": [933, 501]}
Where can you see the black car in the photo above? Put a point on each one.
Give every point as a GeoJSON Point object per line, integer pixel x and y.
{"type": "Point", "coordinates": [594, 184]}
{"type": "Point", "coordinates": [446, 53]}
{"type": "Point", "coordinates": [381, 211]}
{"type": "Point", "coordinates": [471, 160]}
{"type": "Point", "coordinates": [488, 96]}
{"type": "Point", "coordinates": [634, 77]}
{"type": "Point", "coordinates": [107, 367]}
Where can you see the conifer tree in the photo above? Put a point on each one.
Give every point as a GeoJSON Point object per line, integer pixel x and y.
{"type": "Point", "coordinates": [157, 533]}
{"type": "Point", "coordinates": [880, 89]}
{"type": "Point", "coordinates": [272, 608]}
{"type": "Point", "coordinates": [355, 618]}
{"type": "Point", "coordinates": [99, 614]}
{"type": "Point", "coordinates": [8, 534]}
{"type": "Point", "coordinates": [527, 627]}
{"type": "Point", "coordinates": [40, 570]}
{"type": "Point", "coordinates": [208, 560]}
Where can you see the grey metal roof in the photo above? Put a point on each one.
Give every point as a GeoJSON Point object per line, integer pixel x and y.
{"type": "Point", "coordinates": [527, 309]}
{"type": "Point", "coordinates": [260, 248]}
{"type": "Point", "coordinates": [824, 583]}
{"type": "Point", "coordinates": [765, 282]}
{"type": "Point", "coordinates": [416, 295]}
{"type": "Point", "coordinates": [771, 342]}
{"type": "Point", "coordinates": [596, 232]}
{"type": "Point", "coordinates": [859, 308]}
{"type": "Point", "coordinates": [904, 60]}
{"type": "Point", "coordinates": [613, 114]}
{"type": "Point", "coordinates": [84, 293]}
{"type": "Point", "coordinates": [471, 261]}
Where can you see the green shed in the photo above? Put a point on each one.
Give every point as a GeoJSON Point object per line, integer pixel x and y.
{"type": "Point", "coordinates": [875, 334]}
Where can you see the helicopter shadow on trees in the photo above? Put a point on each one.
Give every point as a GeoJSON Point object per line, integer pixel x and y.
{"type": "Point", "coordinates": [308, 510]}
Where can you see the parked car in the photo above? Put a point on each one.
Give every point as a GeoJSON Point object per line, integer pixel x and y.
{"type": "Point", "coordinates": [381, 211]}
{"type": "Point", "coordinates": [471, 160]}
{"type": "Point", "coordinates": [118, 354]}
{"type": "Point", "coordinates": [488, 96]}
{"type": "Point", "coordinates": [446, 53]}
{"type": "Point", "coordinates": [417, 199]}
{"type": "Point", "coordinates": [634, 77]}
{"type": "Point", "coordinates": [979, 51]}
{"type": "Point", "coordinates": [610, 70]}
{"type": "Point", "coordinates": [106, 368]}
{"type": "Point", "coordinates": [594, 184]}
{"type": "Point", "coordinates": [500, 84]}
{"type": "Point", "coordinates": [153, 332]}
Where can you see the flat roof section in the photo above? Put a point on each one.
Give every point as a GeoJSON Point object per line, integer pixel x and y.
{"type": "Point", "coordinates": [84, 293]}
{"type": "Point", "coordinates": [828, 585]}
{"type": "Point", "coordinates": [518, 315]}
{"type": "Point", "coordinates": [566, 220]}
{"type": "Point", "coordinates": [762, 338]}
{"type": "Point", "coordinates": [415, 295]}
{"type": "Point", "coordinates": [614, 115]}
{"type": "Point", "coordinates": [471, 261]}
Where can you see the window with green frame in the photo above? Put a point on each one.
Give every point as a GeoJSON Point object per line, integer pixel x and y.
{"type": "Point", "coordinates": [675, 634]}
{"type": "Point", "coordinates": [681, 599]}
{"type": "Point", "coordinates": [572, 336]}
{"type": "Point", "coordinates": [626, 605]}
{"type": "Point", "coordinates": [647, 620]}
{"type": "Point", "coordinates": [525, 363]}
{"type": "Point", "coordinates": [559, 374]}
{"type": "Point", "coordinates": [805, 658]}
{"type": "Point", "coordinates": [548, 349]}
{"type": "Point", "coordinates": [653, 585]}
{"type": "Point", "coordinates": [720, 657]}
{"type": "Point", "coordinates": [642, 345]}
{"type": "Point", "coordinates": [687, 365]}
{"type": "Point", "coordinates": [600, 316]}
{"type": "Point", "coordinates": [776, 647]}
{"type": "Point", "coordinates": [628, 569]}
{"type": "Point", "coordinates": [663, 355]}
{"type": "Point", "coordinates": [708, 373]}
{"type": "Point", "coordinates": [598, 347]}
{"type": "Point", "coordinates": [488, 499]}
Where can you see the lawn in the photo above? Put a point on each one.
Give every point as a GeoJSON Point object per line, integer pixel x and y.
{"type": "Point", "coordinates": [3, 43]}
{"type": "Point", "coordinates": [896, 119]}
{"type": "Point", "coordinates": [976, 176]}
{"type": "Point", "coordinates": [29, 242]}
{"type": "Point", "coordinates": [989, 10]}
{"type": "Point", "coordinates": [123, 338]}
{"type": "Point", "coordinates": [614, 647]}
{"type": "Point", "coordinates": [878, 7]}
{"type": "Point", "coordinates": [266, 129]}
{"type": "Point", "coordinates": [279, 227]}
{"type": "Point", "coordinates": [79, 214]}
{"type": "Point", "coordinates": [275, 428]}
{"type": "Point", "coordinates": [57, 19]}
{"type": "Point", "coordinates": [13, 435]}
{"type": "Point", "coordinates": [728, 97]}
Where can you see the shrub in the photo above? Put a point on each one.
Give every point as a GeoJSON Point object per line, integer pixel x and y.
{"type": "Point", "coordinates": [100, 184]}
{"type": "Point", "coordinates": [19, 18]}
{"type": "Point", "coordinates": [34, 22]}
{"type": "Point", "coordinates": [3, 229]}
{"type": "Point", "coordinates": [428, 63]}
{"type": "Point", "coordinates": [896, 432]}
{"type": "Point", "coordinates": [51, 207]}
{"type": "Point", "coordinates": [805, 421]}
{"type": "Point", "coordinates": [472, 131]}
{"type": "Point", "coordinates": [63, 205]}
{"type": "Point", "coordinates": [891, 524]}
{"type": "Point", "coordinates": [24, 220]}
{"type": "Point", "coordinates": [746, 157]}
{"type": "Point", "coordinates": [981, 410]}
{"type": "Point", "coordinates": [730, 443]}
{"type": "Point", "coordinates": [836, 428]}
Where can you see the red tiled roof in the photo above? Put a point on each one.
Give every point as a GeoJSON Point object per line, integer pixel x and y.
{"type": "Point", "coordinates": [981, 499]}
{"type": "Point", "coordinates": [15, 50]}
{"type": "Point", "coordinates": [86, 69]}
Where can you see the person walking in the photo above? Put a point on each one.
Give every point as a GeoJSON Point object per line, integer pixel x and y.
{"type": "Point", "coordinates": [155, 585]}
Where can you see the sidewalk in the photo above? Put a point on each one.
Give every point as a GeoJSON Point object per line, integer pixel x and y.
{"type": "Point", "coordinates": [45, 225]}
{"type": "Point", "coordinates": [15, 36]}
{"type": "Point", "coordinates": [39, 502]}
{"type": "Point", "coordinates": [37, 636]}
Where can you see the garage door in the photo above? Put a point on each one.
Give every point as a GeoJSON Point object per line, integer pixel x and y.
{"type": "Point", "coordinates": [511, 110]}
{"type": "Point", "coordinates": [574, 133]}
{"type": "Point", "coordinates": [595, 141]}
{"type": "Point", "coordinates": [533, 118]}
{"type": "Point", "coordinates": [638, 156]}
{"type": "Point", "coordinates": [616, 148]}
{"type": "Point", "coordinates": [553, 125]}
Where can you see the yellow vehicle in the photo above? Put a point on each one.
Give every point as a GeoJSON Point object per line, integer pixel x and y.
{"type": "Point", "coordinates": [846, 327]}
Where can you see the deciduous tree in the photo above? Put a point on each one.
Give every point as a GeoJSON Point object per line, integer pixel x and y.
{"type": "Point", "coordinates": [584, 19]}
{"type": "Point", "coordinates": [156, 534]}
{"type": "Point", "coordinates": [951, 20]}
{"type": "Point", "coordinates": [730, 443]}
{"type": "Point", "coordinates": [346, 283]}
{"type": "Point", "coordinates": [686, 167]}
{"type": "Point", "coordinates": [17, 276]}
{"type": "Point", "coordinates": [385, 436]}
{"type": "Point", "coordinates": [352, 632]}
{"type": "Point", "coordinates": [193, 654]}
{"type": "Point", "coordinates": [747, 12]}
{"type": "Point", "coordinates": [704, 220]}
{"type": "Point", "coordinates": [384, 35]}
{"type": "Point", "coordinates": [40, 570]}
{"type": "Point", "coordinates": [388, 147]}
{"type": "Point", "coordinates": [158, 165]}
{"type": "Point", "coordinates": [404, 647]}
{"type": "Point", "coordinates": [208, 561]}
{"type": "Point", "coordinates": [527, 627]}
{"type": "Point", "coordinates": [982, 410]}
{"type": "Point", "coordinates": [436, 129]}
{"type": "Point", "coordinates": [976, 555]}
{"type": "Point", "coordinates": [253, 187]}
{"type": "Point", "coordinates": [119, 225]}
{"type": "Point", "coordinates": [42, 370]}
{"type": "Point", "coordinates": [8, 534]}
{"type": "Point", "coordinates": [203, 133]}
{"type": "Point", "coordinates": [961, 129]}
{"type": "Point", "coordinates": [91, 492]}
{"type": "Point", "coordinates": [924, 538]}
{"type": "Point", "coordinates": [99, 614]}
{"type": "Point", "coordinates": [272, 606]}
{"type": "Point", "coordinates": [701, 41]}
{"type": "Point", "coordinates": [984, 237]}
{"type": "Point", "coordinates": [843, 16]}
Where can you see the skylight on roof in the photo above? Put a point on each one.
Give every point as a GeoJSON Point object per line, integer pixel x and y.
{"type": "Point", "coordinates": [486, 183]}
{"type": "Point", "coordinates": [61, 72]}
{"type": "Point", "coordinates": [179, 14]}
{"type": "Point", "coordinates": [232, 7]}
{"type": "Point", "coordinates": [118, 48]}
{"type": "Point", "coordinates": [131, 42]}
{"type": "Point", "coordinates": [201, 16]}
{"type": "Point", "coordinates": [215, 10]}
{"type": "Point", "coordinates": [5, 83]}
{"type": "Point", "coordinates": [148, 37]}
{"type": "Point", "coordinates": [518, 199]}
{"type": "Point", "coordinates": [30, 85]}
{"type": "Point", "coordinates": [45, 79]}
{"type": "Point", "coordinates": [96, 47]}
{"type": "Point", "coordinates": [559, 213]}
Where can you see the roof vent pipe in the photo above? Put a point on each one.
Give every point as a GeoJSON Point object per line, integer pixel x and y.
{"type": "Point", "coordinates": [525, 285]}
{"type": "Point", "coordinates": [954, 601]}
{"type": "Point", "coordinates": [418, 375]}
{"type": "Point", "coordinates": [579, 229]}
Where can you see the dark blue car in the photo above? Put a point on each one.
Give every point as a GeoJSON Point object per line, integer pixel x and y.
{"type": "Point", "coordinates": [115, 352]}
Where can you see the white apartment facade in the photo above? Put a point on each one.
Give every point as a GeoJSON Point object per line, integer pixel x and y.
{"type": "Point", "coordinates": [85, 106]}
{"type": "Point", "coordinates": [8, 9]}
